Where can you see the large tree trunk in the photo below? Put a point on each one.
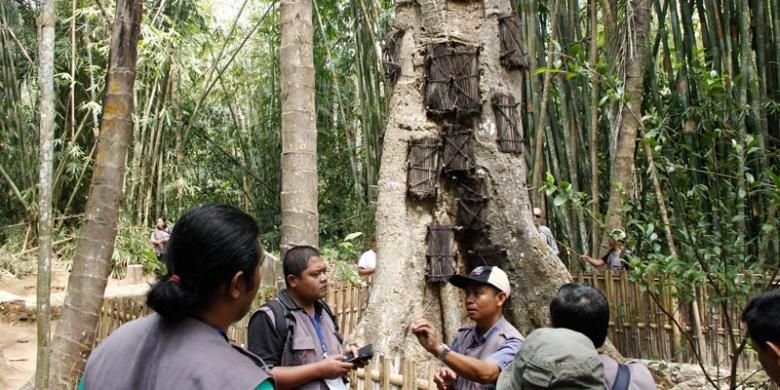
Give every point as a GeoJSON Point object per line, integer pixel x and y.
{"type": "Point", "coordinates": [400, 294]}
{"type": "Point", "coordinates": [92, 263]}
{"type": "Point", "coordinates": [633, 70]}
{"type": "Point", "coordinates": [46, 152]}
{"type": "Point", "coordinates": [300, 219]}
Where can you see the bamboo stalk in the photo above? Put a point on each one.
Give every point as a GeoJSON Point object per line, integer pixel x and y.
{"type": "Point", "coordinates": [540, 125]}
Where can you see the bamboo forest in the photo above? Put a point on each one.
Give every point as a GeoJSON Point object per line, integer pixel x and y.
{"type": "Point", "coordinates": [418, 148]}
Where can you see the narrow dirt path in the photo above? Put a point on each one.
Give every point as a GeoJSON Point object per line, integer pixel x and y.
{"type": "Point", "coordinates": [18, 337]}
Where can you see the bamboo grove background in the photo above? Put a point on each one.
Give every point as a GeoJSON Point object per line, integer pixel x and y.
{"type": "Point", "coordinates": [207, 121]}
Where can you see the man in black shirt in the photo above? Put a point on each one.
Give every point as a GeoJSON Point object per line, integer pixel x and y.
{"type": "Point", "coordinates": [296, 333]}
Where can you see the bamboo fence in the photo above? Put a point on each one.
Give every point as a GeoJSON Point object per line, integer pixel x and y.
{"type": "Point", "coordinates": [638, 327]}
{"type": "Point", "coordinates": [347, 300]}
{"type": "Point", "coordinates": [386, 373]}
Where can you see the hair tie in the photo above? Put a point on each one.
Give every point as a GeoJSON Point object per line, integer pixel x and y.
{"type": "Point", "coordinates": [175, 278]}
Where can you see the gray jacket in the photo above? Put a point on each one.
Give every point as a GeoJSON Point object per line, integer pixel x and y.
{"type": "Point", "coordinates": [641, 378]}
{"type": "Point", "coordinates": [150, 353]}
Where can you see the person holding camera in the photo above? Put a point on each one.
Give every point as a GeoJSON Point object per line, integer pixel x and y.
{"type": "Point", "coordinates": [479, 352]}
{"type": "Point", "coordinates": [296, 333]}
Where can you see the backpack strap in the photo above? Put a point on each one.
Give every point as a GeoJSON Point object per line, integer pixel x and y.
{"type": "Point", "coordinates": [623, 377]}
{"type": "Point", "coordinates": [332, 316]}
{"type": "Point", "coordinates": [283, 319]}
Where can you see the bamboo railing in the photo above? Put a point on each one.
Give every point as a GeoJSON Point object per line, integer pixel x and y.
{"type": "Point", "coordinates": [638, 327]}
{"type": "Point", "coordinates": [347, 300]}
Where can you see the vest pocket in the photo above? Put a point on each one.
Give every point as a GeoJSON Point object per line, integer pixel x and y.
{"type": "Point", "coordinates": [302, 351]}
{"type": "Point", "coordinates": [302, 343]}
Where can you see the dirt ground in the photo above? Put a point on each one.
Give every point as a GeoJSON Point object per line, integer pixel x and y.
{"type": "Point", "coordinates": [17, 343]}
{"type": "Point", "coordinates": [18, 337]}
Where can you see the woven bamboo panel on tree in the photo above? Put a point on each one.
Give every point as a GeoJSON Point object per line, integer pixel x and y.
{"type": "Point", "coordinates": [471, 202]}
{"type": "Point", "coordinates": [441, 253]}
{"type": "Point", "coordinates": [509, 128]}
{"type": "Point", "coordinates": [452, 80]}
{"type": "Point", "coordinates": [457, 154]}
{"type": "Point", "coordinates": [512, 52]}
{"type": "Point", "coordinates": [423, 167]}
{"type": "Point", "coordinates": [492, 255]}
{"type": "Point", "coordinates": [391, 51]}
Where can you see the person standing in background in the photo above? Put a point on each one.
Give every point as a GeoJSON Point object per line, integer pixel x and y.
{"type": "Point", "coordinates": [617, 257]}
{"type": "Point", "coordinates": [159, 239]}
{"type": "Point", "coordinates": [367, 262]}
{"type": "Point", "coordinates": [545, 232]}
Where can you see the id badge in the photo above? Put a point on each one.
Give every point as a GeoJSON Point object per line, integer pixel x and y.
{"type": "Point", "coordinates": [336, 384]}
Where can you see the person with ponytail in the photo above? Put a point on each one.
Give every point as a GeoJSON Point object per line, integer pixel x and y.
{"type": "Point", "coordinates": [216, 256]}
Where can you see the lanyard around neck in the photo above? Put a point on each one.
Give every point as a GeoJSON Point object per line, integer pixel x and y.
{"type": "Point", "coordinates": [315, 322]}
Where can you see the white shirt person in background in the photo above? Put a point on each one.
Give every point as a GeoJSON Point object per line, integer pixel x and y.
{"type": "Point", "coordinates": [545, 231]}
{"type": "Point", "coordinates": [367, 262]}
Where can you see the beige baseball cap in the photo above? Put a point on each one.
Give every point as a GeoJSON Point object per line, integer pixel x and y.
{"type": "Point", "coordinates": [487, 274]}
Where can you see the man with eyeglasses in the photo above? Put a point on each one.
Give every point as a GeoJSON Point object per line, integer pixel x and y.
{"type": "Point", "coordinates": [545, 231]}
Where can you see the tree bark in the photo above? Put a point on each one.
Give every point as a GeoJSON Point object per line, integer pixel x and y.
{"type": "Point", "coordinates": [300, 218]}
{"type": "Point", "coordinates": [595, 192]}
{"type": "Point", "coordinates": [633, 71]}
{"type": "Point", "coordinates": [400, 294]}
{"type": "Point", "coordinates": [46, 153]}
{"type": "Point", "coordinates": [92, 262]}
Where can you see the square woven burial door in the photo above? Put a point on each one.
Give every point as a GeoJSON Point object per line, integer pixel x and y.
{"type": "Point", "coordinates": [423, 167]}
{"type": "Point", "coordinates": [471, 204]}
{"type": "Point", "coordinates": [441, 254]}
{"type": "Point", "coordinates": [452, 80]}
{"type": "Point", "coordinates": [509, 128]}
{"type": "Point", "coordinates": [457, 156]}
{"type": "Point", "coordinates": [512, 51]}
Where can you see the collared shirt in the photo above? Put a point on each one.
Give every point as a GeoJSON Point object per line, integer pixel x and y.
{"type": "Point", "coordinates": [549, 239]}
{"type": "Point", "coordinates": [367, 259]}
{"type": "Point", "coordinates": [617, 260]}
{"type": "Point", "coordinates": [502, 355]}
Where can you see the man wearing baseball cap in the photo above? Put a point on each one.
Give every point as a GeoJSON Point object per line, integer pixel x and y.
{"type": "Point", "coordinates": [480, 351]}
{"type": "Point", "coordinates": [617, 257]}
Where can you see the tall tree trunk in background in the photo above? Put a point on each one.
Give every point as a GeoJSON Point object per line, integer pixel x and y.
{"type": "Point", "coordinates": [593, 58]}
{"type": "Point", "coordinates": [401, 221]}
{"type": "Point", "coordinates": [634, 55]}
{"type": "Point", "coordinates": [46, 152]}
{"type": "Point", "coordinates": [92, 262]}
{"type": "Point", "coordinates": [300, 219]}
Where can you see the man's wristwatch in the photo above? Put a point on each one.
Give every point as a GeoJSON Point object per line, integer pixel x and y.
{"type": "Point", "coordinates": [445, 350]}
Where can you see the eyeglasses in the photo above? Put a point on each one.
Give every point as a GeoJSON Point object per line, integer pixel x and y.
{"type": "Point", "coordinates": [537, 216]}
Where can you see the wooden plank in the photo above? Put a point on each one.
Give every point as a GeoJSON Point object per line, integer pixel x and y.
{"type": "Point", "coordinates": [384, 372]}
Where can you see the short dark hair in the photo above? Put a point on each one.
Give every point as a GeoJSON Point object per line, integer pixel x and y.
{"type": "Point", "coordinates": [583, 309]}
{"type": "Point", "coordinates": [762, 317]}
{"type": "Point", "coordinates": [296, 260]}
{"type": "Point", "coordinates": [209, 245]}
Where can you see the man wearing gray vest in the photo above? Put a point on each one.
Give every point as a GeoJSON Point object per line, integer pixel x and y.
{"type": "Point", "coordinates": [479, 352]}
{"type": "Point", "coordinates": [296, 333]}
